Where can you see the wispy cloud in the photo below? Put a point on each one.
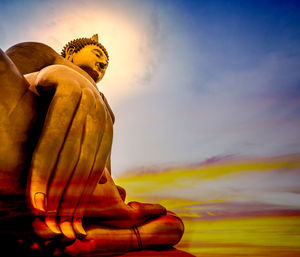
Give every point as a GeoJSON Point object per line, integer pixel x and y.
{"type": "Point", "coordinates": [269, 181]}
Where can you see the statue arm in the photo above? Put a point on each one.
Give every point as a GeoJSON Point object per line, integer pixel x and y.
{"type": "Point", "coordinates": [17, 119]}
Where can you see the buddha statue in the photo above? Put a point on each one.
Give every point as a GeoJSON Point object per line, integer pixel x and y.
{"type": "Point", "coordinates": [56, 136]}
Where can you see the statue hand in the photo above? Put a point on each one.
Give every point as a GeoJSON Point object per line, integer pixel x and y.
{"type": "Point", "coordinates": [71, 153]}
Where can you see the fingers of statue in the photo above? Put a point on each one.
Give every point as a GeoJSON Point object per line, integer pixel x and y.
{"type": "Point", "coordinates": [41, 229]}
{"type": "Point", "coordinates": [70, 156]}
{"type": "Point", "coordinates": [66, 148]}
{"type": "Point", "coordinates": [68, 159]}
{"type": "Point", "coordinates": [93, 132]}
{"type": "Point", "coordinates": [57, 121]}
{"type": "Point", "coordinates": [97, 170]}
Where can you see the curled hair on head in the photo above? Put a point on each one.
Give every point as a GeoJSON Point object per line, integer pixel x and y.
{"type": "Point", "coordinates": [79, 43]}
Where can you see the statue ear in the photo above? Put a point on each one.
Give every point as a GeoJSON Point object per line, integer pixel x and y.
{"type": "Point", "coordinates": [69, 52]}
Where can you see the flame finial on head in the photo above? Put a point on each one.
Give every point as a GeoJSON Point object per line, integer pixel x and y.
{"type": "Point", "coordinates": [95, 38]}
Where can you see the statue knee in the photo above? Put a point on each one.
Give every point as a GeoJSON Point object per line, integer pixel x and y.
{"type": "Point", "coordinates": [167, 230]}
{"type": "Point", "coordinates": [175, 226]}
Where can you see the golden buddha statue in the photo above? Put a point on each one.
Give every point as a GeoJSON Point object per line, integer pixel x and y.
{"type": "Point", "coordinates": [56, 136]}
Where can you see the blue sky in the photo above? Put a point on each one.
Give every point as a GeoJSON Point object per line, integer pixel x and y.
{"type": "Point", "coordinates": [188, 80]}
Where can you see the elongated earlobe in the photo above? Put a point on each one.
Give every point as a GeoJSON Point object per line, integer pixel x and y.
{"type": "Point", "coordinates": [70, 58]}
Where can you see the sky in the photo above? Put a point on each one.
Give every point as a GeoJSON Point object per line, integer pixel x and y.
{"type": "Point", "coordinates": [187, 80]}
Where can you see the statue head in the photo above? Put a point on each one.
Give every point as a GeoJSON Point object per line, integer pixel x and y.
{"type": "Point", "coordinates": [88, 54]}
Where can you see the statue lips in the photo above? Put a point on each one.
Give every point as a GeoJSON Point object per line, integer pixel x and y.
{"type": "Point", "coordinates": [94, 74]}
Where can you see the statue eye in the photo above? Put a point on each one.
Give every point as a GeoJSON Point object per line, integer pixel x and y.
{"type": "Point", "coordinates": [98, 55]}
{"type": "Point", "coordinates": [101, 65]}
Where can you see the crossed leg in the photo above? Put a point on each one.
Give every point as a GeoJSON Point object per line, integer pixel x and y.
{"type": "Point", "coordinates": [166, 230]}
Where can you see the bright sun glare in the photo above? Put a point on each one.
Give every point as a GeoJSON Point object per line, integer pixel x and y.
{"type": "Point", "coordinates": [121, 37]}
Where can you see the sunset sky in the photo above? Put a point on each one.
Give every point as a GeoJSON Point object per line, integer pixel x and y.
{"type": "Point", "coordinates": [187, 80]}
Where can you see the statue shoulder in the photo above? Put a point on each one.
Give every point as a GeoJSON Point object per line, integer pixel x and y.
{"type": "Point", "coordinates": [32, 56]}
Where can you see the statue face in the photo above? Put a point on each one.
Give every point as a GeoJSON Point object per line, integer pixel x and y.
{"type": "Point", "coordinates": [91, 59]}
